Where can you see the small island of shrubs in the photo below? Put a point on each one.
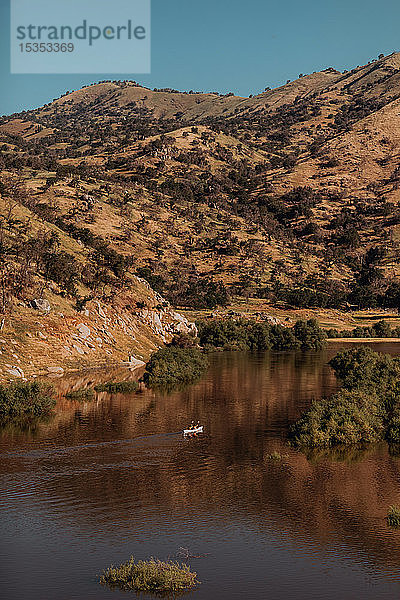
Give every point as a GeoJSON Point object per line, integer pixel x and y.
{"type": "Point", "coordinates": [151, 576]}
{"type": "Point", "coordinates": [111, 387]}
{"type": "Point", "coordinates": [393, 516]}
{"type": "Point", "coordinates": [81, 395]}
{"type": "Point", "coordinates": [117, 387]}
{"type": "Point", "coordinates": [174, 366]}
{"type": "Point", "coordinates": [366, 409]}
{"type": "Point", "coordinates": [26, 399]}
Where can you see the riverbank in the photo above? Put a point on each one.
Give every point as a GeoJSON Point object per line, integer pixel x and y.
{"type": "Point", "coordinates": [51, 337]}
{"type": "Point", "coordinates": [260, 309]}
{"type": "Point", "coordinates": [54, 338]}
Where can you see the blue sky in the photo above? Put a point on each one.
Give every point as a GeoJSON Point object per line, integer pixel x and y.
{"type": "Point", "coordinates": [231, 45]}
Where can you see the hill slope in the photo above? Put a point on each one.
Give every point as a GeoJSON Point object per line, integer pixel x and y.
{"type": "Point", "coordinates": [290, 196]}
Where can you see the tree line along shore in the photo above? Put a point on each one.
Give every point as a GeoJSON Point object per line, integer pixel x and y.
{"type": "Point", "coordinates": [366, 409]}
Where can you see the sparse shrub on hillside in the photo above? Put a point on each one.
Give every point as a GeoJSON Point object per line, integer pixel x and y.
{"type": "Point", "coordinates": [157, 282]}
{"type": "Point", "coordinates": [80, 303]}
{"type": "Point", "coordinates": [62, 268]}
{"type": "Point", "coordinates": [303, 297]}
{"type": "Point", "coordinates": [103, 255]}
{"type": "Point", "coordinates": [358, 108]}
{"type": "Point", "coordinates": [198, 293]}
{"type": "Point", "coordinates": [329, 163]}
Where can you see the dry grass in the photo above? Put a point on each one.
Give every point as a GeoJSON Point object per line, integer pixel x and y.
{"type": "Point", "coordinates": [359, 151]}
{"type": "Point", "coordinates": [151, 576]}
{"type": "Point", "coordinates": [393, 516]}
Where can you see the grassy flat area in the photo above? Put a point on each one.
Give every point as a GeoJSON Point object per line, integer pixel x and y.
{"type": "Point", "coordinates": [256, 308]}
{"type": "Point", "coordinates": [364, 340]}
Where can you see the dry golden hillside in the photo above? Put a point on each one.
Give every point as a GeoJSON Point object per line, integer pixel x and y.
{"type": "Point", "coordinates": [287, 199]}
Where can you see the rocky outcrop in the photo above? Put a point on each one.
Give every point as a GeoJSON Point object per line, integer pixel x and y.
{"type": "Point", "coordinates": [135, 363]}
{"type": "Point", "coordinates": [165, 321]}
{"type": "Point", "coordinates": [41, 304]}
{"type": "Point", "coordinates": [84, 331]}
{"type": "Point", "coordinates": [55, 370]}
{"type": "Point", "coordinates": [16, 372]}
{"type": "Point", "coordinates": [182, 325]}
{"type": "Point", "coordinates": [56, 338]}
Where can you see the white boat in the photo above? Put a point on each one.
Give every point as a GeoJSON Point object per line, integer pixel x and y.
{"type": "Point", "coordinates": [191, 431]}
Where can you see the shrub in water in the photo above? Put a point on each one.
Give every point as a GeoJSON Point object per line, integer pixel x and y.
{"type": "Point", "coordinates": [275, 455]}
{"type": "Point", "coordinates": [174, 365]}
{"type": "Point", "coordinates": [82, 395]}
{"type": "Point", "coordinates": [229, 333]}
{"type": "Point", "coordinates": [393, 516]}
{"type": "Point", "coordinates": [367, 408]}
{"type": "Point", "coordinates": [393, 428]}
{"type": "Point", "coordinates": [309, 335]}
{"type": "Point", "coordinates": [118, 387]}
{"type": "Point", "coordinates": [362, 367]}
{"type": "Point", "coordinates": [26, 399]}
{"type": "Point", "coordinates": [152, 576]}
{"type": "Point", "coordinates": [348, 417]}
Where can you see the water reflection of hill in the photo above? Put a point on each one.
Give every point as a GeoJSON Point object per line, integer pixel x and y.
{"type": "Point", "coordinates": [246, 404]}
{"type": "Point", "coordinates": [70, 414]}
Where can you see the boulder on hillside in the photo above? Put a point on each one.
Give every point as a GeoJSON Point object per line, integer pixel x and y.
{"type": "Point", "coordinates": [16, 372]}
{"type": "Point", "coordinates": [183, 325]}
{"type": "Point", "coordinates": [272, 320]}
{"type": "Point", "coordinates": [55, 370]}
{"type": "Point", "coordinates": [84, 330]}
{"type": "Point", "coordinates": [41, 304]}
{"type": "Point", "coordinates": [187, 328]}
{"type": "Point", "coordinates": [135, 362]}
{"type": "Point", "coordinates": [157, 323]}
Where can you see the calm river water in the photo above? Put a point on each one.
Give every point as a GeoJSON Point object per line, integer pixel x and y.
{"type": "Point", "coordinates": [105, 480]}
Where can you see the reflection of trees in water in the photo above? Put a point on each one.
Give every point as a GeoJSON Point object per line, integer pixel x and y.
{"type": "Point", "coordinates": [69, 416]}
{"type": "Point", "coordinates": [346, 454]}
{"type": "Point", "coordinates": [13, 428]}
{"type": "Point", "coordinates": [246, 404]}
{"type": "Point", "coordinates": [309, 500]}
{"type": "Point", "coordinates": [348, 499]}
{"type": "Point", "coordinates": [90, 378]}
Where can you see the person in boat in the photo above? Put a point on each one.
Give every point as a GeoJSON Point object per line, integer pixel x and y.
{"type": "Point", "coordinates": [192, 425]}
